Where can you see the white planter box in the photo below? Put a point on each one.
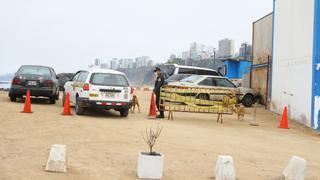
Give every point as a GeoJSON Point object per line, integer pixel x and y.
{"type": "Point", "coordinates": [57, 161]}
{"type": "Point", "coordinates": [225, 168]}
{"type": "Point", "coordinates": [295, 169]}
{"type": "Point", "coordinates": [150, 167]}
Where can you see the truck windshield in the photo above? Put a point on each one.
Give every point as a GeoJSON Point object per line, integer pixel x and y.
{"type": "Point", "coordinates": [105, 79]}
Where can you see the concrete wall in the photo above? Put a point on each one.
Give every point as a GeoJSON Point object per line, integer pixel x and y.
{"type": "Point", "coordinates": [262, 48]}
{"type": "Point", "coordinates": [262, 39]}
{"type": "Point", "coordinates": [292, 58]}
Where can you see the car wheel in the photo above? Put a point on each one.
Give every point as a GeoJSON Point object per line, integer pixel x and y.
{"type": "Point", "coordinates": [57, 96]}
{"type": "Point", "coordinates": [79, 109]}
{"type": "Point", "coordinates": [52, 99]}
{"type": "Point", "coordinates": [124, 112]}
{"type": "Point", "coordinates": [13, 98]}
{"type": "Point", "coordinates": [248, 100]}
{"type": "Point", "coordinates": [203, 96]}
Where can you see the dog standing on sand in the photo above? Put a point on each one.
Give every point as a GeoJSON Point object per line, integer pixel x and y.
{"type": "Point", "coordinates": [135, 102]}
{"type": "Point", "coordinates": [239, 110]}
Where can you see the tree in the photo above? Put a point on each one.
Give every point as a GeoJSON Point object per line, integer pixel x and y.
{"type": "Point", "coordinates": [150, 137]}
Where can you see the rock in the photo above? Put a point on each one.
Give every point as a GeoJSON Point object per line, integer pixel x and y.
{"type": "Point", "coordinates": [57, 161]}
{"type": "Point", "coordinates": [295, 169]}
{"type": "Point", "coordinates": [225, 168]}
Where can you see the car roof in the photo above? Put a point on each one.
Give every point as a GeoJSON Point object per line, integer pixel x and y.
{"type": "Point", "coordinates": [190, 67]}
{"type": "Point", "coordinates": [183, 74]}
{"type": "Point", "coordinates": [99, 70]}
{"type": "Point", "coordinates": [221, 77]}
{"type": "Point", "coordinates": [36, 66]}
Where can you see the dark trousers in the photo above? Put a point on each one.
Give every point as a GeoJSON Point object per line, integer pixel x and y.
{"type": "Point", "coordinates": [158, 102]}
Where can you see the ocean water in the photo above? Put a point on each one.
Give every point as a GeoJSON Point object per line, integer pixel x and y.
{"type": "Point", "coordinates": [4, 85]}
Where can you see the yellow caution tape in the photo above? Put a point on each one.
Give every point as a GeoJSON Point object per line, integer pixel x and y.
{"type": "Point", "coordinates": [195, 99]}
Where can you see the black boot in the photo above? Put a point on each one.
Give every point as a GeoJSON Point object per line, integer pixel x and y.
{"type": "Point", "coordinates": [161, 115]}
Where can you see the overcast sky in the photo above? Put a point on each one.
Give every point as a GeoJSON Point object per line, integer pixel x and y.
{"type": "Point", "coordinates": [69, 34]}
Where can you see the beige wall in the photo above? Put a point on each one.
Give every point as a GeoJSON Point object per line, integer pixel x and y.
{"type": "Point", "coordinates": [262, 39]}
{"type": "Point", "coordinates": [262, 47]}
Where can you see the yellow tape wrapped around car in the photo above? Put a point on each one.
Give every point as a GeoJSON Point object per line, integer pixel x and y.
{"type": "Point", "coordinates": [196, 99]}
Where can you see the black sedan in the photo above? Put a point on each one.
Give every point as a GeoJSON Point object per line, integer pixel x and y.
{"type": "Point", "coordinates": [40, 80]}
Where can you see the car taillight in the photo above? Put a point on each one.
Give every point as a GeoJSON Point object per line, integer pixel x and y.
{"type": "Point", "coordinates": [131, 90]}
{"type": "Point", "coordinates": [16, 81]}
{"type": "Point", "coordinates": [48, 83]}
{"type": "Point", "coordinates": [86, 87]}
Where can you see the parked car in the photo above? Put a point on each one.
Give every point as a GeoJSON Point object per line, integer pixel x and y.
{"type": "Point", "coordinates": [244, 95]}
{"type": "Point", "coordinates": [172, 69]}
{"type": "Point", "coordinates": [99, 88]}
{"type": "Point", "coordinates": [63, 78]}
{"type": "Point", "coordinates": [176, 78]}
{"type": "Point", "coordinates": [40, 80]}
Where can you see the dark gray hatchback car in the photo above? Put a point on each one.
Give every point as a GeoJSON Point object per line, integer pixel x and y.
{"type": "Point", "coordinates": [40, 80]}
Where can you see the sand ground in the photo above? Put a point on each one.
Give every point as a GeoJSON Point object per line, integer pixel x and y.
{"type": "Point", "coordinates": [101, 145]}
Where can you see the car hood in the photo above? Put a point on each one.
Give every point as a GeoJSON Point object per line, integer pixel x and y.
{"type": "Point", "coordinates": [244, 90]}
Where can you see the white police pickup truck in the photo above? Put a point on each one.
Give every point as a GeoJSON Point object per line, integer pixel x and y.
{"type": "Point", "coordinates": [99, 88]}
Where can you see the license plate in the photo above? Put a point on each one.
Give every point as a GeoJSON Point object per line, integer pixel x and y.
{"type": "Point", "coordinates": [32, 83]}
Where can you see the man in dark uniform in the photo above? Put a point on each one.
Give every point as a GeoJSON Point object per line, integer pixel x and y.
{"type": "Point", "coordinates": [157, 85]}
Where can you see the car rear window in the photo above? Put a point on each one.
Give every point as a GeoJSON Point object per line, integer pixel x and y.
{"type": "Point", "coordinates": [207, 72]}
{"type": "Point", "coordinates": [105, 79]}
{"type": "Point", "coordinates": [169, 70]}
{"type": "Point", "coordinates": [192, 79]}
{"type": "Point", "coordinates": [187, 71]}
{"type": "Point", "coordinates": [34, 70]}
{"type": "Point", "coordinates": [178, 77]}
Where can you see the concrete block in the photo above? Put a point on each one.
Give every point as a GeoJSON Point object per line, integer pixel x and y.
{"type": "Point", "coordinates": [150, 167]}
{"type": "Point", "coordinates": [57, 161]}
{"type": "Point", "coordinates": [295, 169]}
{"type": "Point", "coordinates": [225, 168]}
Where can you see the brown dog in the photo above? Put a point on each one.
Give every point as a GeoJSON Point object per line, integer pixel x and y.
{"type": "Point", "coordinates": [239, 110]}
{"type": "Point", "coordinates": [135, 102]}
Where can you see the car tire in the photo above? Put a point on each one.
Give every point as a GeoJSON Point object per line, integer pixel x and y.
{"type": "Point", "coordinates": [52, 99]}
{"type": "Point", "coordinates": [203, 97]}
{"type": "Point", "coordinates": [124, 112]}
{"type": "Point", "coordinates": [57, 96]}
{"type": "Point", "coordinates": [13, 98]}
{"type": "Point", "coordinates": [248, 100]}
{"type": "Point", "coordinates": [79, 109]}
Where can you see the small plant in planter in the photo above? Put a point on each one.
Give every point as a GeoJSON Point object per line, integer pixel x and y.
{"type": "Point", "coordinates": [150, 164]}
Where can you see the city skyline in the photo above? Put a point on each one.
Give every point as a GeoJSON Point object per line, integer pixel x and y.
{"type": "Point", "coordinates": [123, 63]}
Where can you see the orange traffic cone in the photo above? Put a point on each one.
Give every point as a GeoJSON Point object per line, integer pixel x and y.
{"type": "Point", "coordinates": [152, 113]}
{"type": "Point", "coordinates": [66, 106]}
{"type": "Point", "coordinates": [284, 121]}
{"type": "Point", "coordinates": [27, 104]}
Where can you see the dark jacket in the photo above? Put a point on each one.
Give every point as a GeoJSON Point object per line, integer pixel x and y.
{"type": "Point", "coordinates": [158, 84]}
